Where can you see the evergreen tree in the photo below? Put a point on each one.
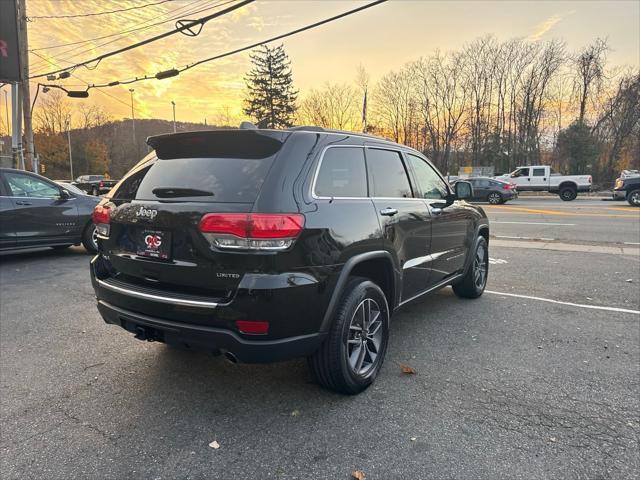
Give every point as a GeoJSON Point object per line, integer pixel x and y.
{"type": "Point", "coordinates": [271, 98]}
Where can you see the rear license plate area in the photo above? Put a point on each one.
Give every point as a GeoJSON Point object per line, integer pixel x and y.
{"type": "Point", "coordinates": [153, 243]}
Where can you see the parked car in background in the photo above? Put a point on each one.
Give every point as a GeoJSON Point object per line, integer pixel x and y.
{"type": "Point", "coordinates": [490, 190]}
{"type": "Point", "coordinates": [630, 188]}
{"type": "Point", "coordinates": [265, 245]}
{"type": "Point", "coordinates": [94, 184]}
{"type": "Point", "coordinates": [620, 193]}
{"type": "Point", "coordinates": [36, 212]}
{"type": "Point", "coordinates": [541, 178]}
{"type": "Point", "coordinates": [70, 186]}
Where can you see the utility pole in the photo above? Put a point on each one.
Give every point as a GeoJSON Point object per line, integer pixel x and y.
{"type": "Point", "coordinates": [133, 122]}
{"type": "Point", "coordinates": [26, 94]}
{"type": "Point", "coordinates": [16, 127]}
{"type": "Point", "coordinates": [69, 141]}
{"type": "Point", "coordinates": [6, 108]}
{"type": "Point", "coordinates": [174, 115]}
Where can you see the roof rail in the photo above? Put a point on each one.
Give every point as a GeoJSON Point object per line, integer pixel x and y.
{"type": "Point", "coordinates": [307, 128]}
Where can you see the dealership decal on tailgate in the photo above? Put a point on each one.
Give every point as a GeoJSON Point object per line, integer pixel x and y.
{"type": "Point", "coordinates": [154, 243]}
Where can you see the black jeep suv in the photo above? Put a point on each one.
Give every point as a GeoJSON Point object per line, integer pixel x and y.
{"type": "Point", "coordinates": [270, 244]}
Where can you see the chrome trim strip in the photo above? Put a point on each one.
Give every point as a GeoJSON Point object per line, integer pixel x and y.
{"type": "Point", "coordinates": [413, 262]}
{"type": "Point", "coordinates": [435, 287]}
{"type": "Point", "coordinates": [158, 298]}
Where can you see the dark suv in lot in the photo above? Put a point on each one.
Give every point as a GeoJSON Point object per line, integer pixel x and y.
{"type": "Point", "coordinates": [271, 244]}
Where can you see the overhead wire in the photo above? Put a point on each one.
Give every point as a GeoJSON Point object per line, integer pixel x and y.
{"type": "Point", "coordinates": [191, 9]}
{"type": "Point", "coordinates": [135, 7]}
{"type": "Point", "coordinates": [176, 71]}
{"type": "Point", "coordinates": [185, 27]}
{"type": "Point", "coordinates": [85, 83]}
{"type": "Point", "coordinates": [170, 12]}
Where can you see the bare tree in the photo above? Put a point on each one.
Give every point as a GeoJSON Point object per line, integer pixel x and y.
{"type": "Point", "coordinates": [442, 99]}
{"type": "Point", "coordinates": [52, 112]}
{"type": "Point", "coordinates": [396, 106]}
{"type": "Point", "coordinates": [333, 106]}
{"type": "Point", "coordinates": [589, 67]}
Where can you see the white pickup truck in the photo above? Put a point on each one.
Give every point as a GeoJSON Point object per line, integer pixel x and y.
{"type": "Point", "coordinates": [540, 178]}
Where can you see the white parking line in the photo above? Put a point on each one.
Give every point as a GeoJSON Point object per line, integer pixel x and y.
{"type": "Point", "coordinates": [570, 304]}
{"type": "Point", "coordinates": [524, 238]}
{"type": "Point", "coordinates": [538, 223]}
{"type": "Point", "coordinates": [631, 243]}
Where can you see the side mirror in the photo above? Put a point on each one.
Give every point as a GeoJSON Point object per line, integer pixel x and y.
{"type": "Point", "coordinates": [463, 190]}
{"type": "Point", "coordinates": [64, 194]}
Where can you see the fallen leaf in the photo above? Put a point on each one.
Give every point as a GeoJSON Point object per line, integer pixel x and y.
{"type": "Point", "coordinates": [407, 369]}
{"type": "Point", "coordinates": [295, 413]}
{"type": "Point", "coordinates": [358, 475]}
{"type": "Point", "coordinates": [413, 439]}
{"type": "Point", "coordinates": [552, 439]}
{"type": "Point", "coordinates": [215, 445]}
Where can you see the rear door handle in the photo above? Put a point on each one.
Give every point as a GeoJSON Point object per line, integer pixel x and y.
{"type": "Point", "coordinates": [388, 212]}
{"type": "Point", "coordinates": [22, 202]}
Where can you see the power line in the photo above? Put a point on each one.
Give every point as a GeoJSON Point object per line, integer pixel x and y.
{"type": "Point", "coordinates": [123, 34]}
{"type": "Point", "coordinates": [47, 17]}
{"type": "Point", "coordinates": [185, 27]}
{"type": "Point", "coordinates": [170, 12]}
{"type": "Point", "coordinates": [175, 71]}
{"type": "Point", "coordinates": [85, 82]}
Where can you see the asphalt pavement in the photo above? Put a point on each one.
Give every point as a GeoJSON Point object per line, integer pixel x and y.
{"type": "Point", "coordinates": [539, 378]}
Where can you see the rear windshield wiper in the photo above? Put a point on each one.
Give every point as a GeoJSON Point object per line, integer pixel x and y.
{"type": "Point", "coordinates": [173, 192]}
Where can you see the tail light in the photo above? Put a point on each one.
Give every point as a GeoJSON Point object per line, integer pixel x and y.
{"type": "Point", "coordinates": [507, 186]}
{"type": "Point", "coordinates": [251, 231]}
{"type": "Point", "coordinates": [590, 179]}
{"type": "Point", "coordinates": [102, 218]}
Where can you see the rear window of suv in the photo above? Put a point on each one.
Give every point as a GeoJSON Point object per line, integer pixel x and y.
{"type": "Point", "coordinates": [229, 180]}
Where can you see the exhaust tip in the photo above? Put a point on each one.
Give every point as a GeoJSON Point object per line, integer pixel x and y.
{"type": "Point", "coordinates": [230, 357]}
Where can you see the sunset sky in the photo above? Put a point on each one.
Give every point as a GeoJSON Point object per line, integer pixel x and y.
{"type": "Point", "coordinates": [381, 39]}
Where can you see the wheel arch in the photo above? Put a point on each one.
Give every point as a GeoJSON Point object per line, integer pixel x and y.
{"type": "Point", "coordinates": [482, 230]}
{"type": "Point", "coordinates": [568, 183]}
{"type": "Point", "coordinates": [376, 266]}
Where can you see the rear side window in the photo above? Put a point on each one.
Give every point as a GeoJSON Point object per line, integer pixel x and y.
{"type": "Point", "coordinates": [387, 175]}
{"type": "Point", "coordinates": [232, 180]}
{"type": "Point", "coordinates": [342, 173]}
{"type": "Point", "coordinates": [538, 172]}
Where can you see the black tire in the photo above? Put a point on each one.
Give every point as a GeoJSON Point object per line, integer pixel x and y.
{"type": "Point", "coordinates": [633, 197]}
{"type": "Point", "coordinates": [94, 191]}
{"type": "Point", "coordinates": [474, 281]}
{"type": "Point", "coordinates": [89, 240]}
{"type": "Point", "coordinates": [495, 198]}
{"type": "Point", "coordinates": [568, 193]}
{"type": "Point", "coordinates": [340, 364]}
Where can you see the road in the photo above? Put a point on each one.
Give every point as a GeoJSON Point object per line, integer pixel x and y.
{"type": "Point", "coordinates": [511, 385]}
{"type": "Point", "coordinates": [584, 220]}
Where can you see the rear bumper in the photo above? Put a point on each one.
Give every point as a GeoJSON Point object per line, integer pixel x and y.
{"type": "Point", "coordinates": [199, 337]}
{"type": "Point", "coordinates": [293, 304]}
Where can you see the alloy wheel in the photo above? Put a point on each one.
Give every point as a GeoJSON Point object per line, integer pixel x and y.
{"type": "Point", "coordinates": [635, 197]}
{"type": "Point", "coordinates": [94, 237]}
{"type": "Point", "coordinates": [494, 198]}
{"type": "Point", "coordinates": [365, 337]}
{"type": "Point", "coordinates": [480, 267]}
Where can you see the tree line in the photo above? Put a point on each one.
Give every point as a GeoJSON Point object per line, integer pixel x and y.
{"type": "Point", "coordinates": [491, 103]}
